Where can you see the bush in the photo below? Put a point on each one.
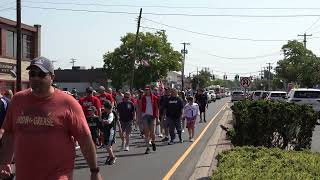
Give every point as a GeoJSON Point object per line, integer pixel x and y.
{"type": "Point", "coordinates": [263, 163]}
{"type": "Point", "coordinates": [272, 124]}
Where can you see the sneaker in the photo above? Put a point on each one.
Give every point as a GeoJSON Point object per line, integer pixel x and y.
{"type": "Point", "coordinates": [147, 151]}
{"type": "Point", "coordinates": [112, 160]}
{"type": "Point", "coordinates": [77, 147]}
{"type": "Point", "coordinates": [200, 121]}
{"type": "Point", "coordinates": [150, 142]}
{"type": "Point", "coordinates": [154, 148]}
{"type": "Point", "coordinates": [191, 140]}
{"type": "Point", "coordinates": [102, 146]}
{"type": "Point", "coordinates": [182, 131]}
{"type": "Point", "coordinates": [181, 141]}
{"type": "Point", "coordinates": [160, 136]}
{"type": "Point", "coordinates": [127, 148]}
{"type": "Point", "coordinates": [171, 143]}
{"type": "Point", "coordinates": [122, 146]}
{"type": "Point", "coordinates": [165, 139]}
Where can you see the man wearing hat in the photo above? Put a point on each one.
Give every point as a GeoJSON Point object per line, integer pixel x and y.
{"type": "Point", "coordinates": [40, 128]}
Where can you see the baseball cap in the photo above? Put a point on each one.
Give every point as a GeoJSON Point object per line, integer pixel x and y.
{"type": "Point", "coordinates": [89, 89]}
{"type": "Point", "coordinates": [43, 63]}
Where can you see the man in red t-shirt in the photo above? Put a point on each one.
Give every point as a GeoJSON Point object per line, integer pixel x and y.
{"type": "Point", "coordinates": [89, 101]}
{"type": "Point", "coordinates": [104, 96]}
{"type": "Point", "coordinates": [40, 128]}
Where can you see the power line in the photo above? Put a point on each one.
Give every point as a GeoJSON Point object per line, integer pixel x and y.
{"type": "Point", "coordinates": [7, 3]}
{"type": "Point", "coordinates": [318, 19]}
{"type": "Point", "coordinates": [176, 14]}
{"type": "Point", "coordinates": [211, 35]}
{"type": "Point", "coordinates": [239, 58]}
{"type": "Point", "coordinates": [168, 7]}
{"type": "Point", "coordinates": [6, 9]}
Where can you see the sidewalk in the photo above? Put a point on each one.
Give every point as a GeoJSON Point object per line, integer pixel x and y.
{"type": "Point", "coordinates": [216, 144]}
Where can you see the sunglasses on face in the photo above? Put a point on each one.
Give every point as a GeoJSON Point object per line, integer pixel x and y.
{"type": "Point", "coordinates": [39, 74]}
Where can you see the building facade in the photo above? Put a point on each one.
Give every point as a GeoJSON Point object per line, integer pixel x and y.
{"type": "Point", "coordinates": [80, 78]}
{"type": "Point", "coordinates": [31, 48]}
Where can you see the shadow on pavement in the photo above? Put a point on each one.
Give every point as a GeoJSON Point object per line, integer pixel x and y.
{"type": "Point", "coordinates": [128, 155]}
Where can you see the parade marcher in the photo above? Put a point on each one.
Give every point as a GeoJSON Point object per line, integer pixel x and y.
{"type": "Point", "coordinates": [90, 100]}
{"type": "Point", "coordinates": [139, 113]}
{"type": "Point", "coordinates": [127, 114]}
{"type": "Point", "coordinates": [162, 104]}
{"type": "Point", "coordinates": [174, 107]}
{"type": "Point", "coordinates": [184, 102]}
{"type": "Point", "coordinates": [43, 121]}
{"type": "Point", "coordinates": [104, 96]}
{"type": "Point", "coordinates": [190, 113]}
{"type": "Point", "coordinates": [108, 127]}
{"type": "Point", "coordinates": [93, 122]}
{"type": "Point", "coordinates": [4, 103]}
{"type": "Point", "coordinates": [150, 112]}
{"type": "Point", "coordinates": [119, 97]}
{"type": "Point", "coordinates": [202, 100]}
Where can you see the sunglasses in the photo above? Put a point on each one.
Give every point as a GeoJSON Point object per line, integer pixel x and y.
{"type": "Point", "coordinates": [39, 74]}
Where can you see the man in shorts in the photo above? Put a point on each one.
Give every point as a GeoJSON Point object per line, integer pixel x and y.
{"type": "Point", "coordinates": [127, 114]}
{"type": "Point", "coordinates": [150, 111]}
{"type": "Point", "coordinates": [40, 127]}
{"type": "Point", "coordinates": [202, 100]}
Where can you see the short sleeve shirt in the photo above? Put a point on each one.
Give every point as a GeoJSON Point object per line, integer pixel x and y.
{"type": "Point", "coordinates": [105, 97]}
{"type": "Point", "coordinates": [44, 130]}
{"type": "Point", "coordinates": [126, 111]}
{"type": "Point", "coordinates": [86, 102]}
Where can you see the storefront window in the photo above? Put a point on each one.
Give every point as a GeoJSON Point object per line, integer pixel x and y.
{"type": "Point", "coordinates": [11, 45]}
{"type": "Point", "coordinates": [27, 46]}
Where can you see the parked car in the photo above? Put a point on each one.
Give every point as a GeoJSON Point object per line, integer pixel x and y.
{"type": "Point", "coordinates": [208, 96]}
{"type": "Point", "coordinates": [305, 96]}
{"type": "Point", "coordinates": [256, 95]}
{"type": "Point", "coordinates": [237, 96]}
{"type": "Point", "coordinates": [277, 96]}
{"type": "Point", "coordinates": [213, 95]}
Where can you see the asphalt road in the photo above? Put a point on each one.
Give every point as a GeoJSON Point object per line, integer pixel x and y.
{"type": "Point", "coordinates": [135, 165]}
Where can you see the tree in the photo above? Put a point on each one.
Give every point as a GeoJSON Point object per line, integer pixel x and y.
{"type": "Point", "coordinates": [155, 57]}
{"type": "Point", "coordinates": [299, 65]}
{"type": "Point", "coordinates": [201, 80]}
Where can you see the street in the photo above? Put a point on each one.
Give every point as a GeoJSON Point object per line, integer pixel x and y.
{"type": "Point", "coordinates": [136, 165]}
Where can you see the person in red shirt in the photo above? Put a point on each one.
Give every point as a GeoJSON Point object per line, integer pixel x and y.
{"type": "Point", "coordinates": [150, 112]}
{"type": "Point", "coordinates": [89, 101]}
{"type": "Point", "coordinates": [40, 129]}
{"type": "Point", "coordinates": [104, 96]}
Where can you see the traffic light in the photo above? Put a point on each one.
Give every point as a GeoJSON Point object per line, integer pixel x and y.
{"type": "Point", "coordinates": [236, 77]}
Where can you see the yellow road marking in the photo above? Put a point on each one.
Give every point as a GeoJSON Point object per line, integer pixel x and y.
{"type": "Point", "coordinates": [187, 152]}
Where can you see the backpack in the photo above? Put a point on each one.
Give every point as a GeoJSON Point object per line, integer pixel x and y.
{"type": "Point", "coordinates": [4, 103]}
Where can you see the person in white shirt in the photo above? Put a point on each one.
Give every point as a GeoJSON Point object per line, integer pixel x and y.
{"type": "Point", "coordinates": [190, 113]}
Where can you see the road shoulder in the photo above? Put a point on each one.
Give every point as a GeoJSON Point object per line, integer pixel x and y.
{"type": "Point", "coordinates": [216, 144]}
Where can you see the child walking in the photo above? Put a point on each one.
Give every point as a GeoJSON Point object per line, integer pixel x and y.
{"type": "Point", "coordinates": [109, 120]}
{"type": "Point", "coordinates": [93, 121]}
{"type": "Point", "coordinates": [190, 113]}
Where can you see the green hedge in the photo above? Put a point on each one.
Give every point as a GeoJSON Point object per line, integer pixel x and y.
{"type": "Point", "coordinates": [263, 163]}
{"type": "Point", "coordinates": [272, 124]}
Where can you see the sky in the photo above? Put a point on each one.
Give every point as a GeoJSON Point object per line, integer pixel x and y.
{"type": "Point", "coordinates": [86, 36]}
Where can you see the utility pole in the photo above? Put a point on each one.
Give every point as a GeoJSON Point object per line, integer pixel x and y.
{"type": "Point", "coordinates": [19, 57]}
{"type": "Point", "coordinates": [73, 60]}
{"type": "Point", "coordinates": [305, 39]}
{"type": "Point", "coordinates": [135, 51]}
{"type": "Point", "coordinates": [269, 82]}
{"type": "Point", "coordinates": [184, 51]}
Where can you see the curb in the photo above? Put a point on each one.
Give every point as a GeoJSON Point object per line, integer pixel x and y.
{"type": "Point", "coordinates": [217, 143]}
